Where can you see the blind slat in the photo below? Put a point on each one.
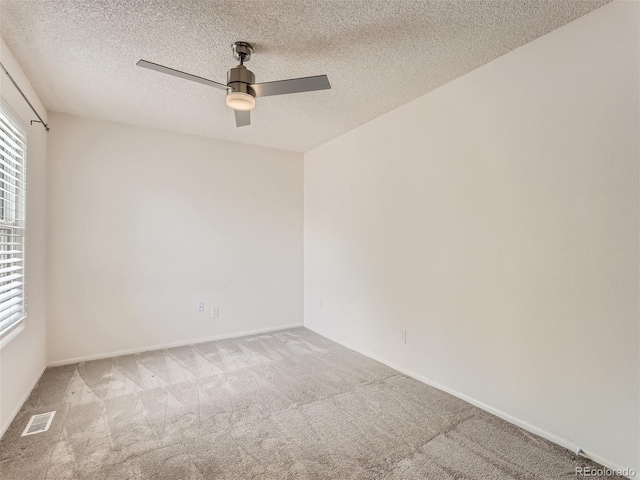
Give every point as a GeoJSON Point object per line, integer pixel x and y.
{"type": "Point", "coordinates": [6, 173]}
{"type": "Point", "coordinates": [18, 196]}
{"type": "Point", "coordinates": [11, 141]}
{"type": "Point", "coordinates": [11, 167]}
{"type": "Point", "coordinates": [10, 294]}
{"type": "Point", "coordinates": [9, 270]}
{"type": "Point", "coordinates": [4, 125]}
{"type": "Point", "coordinates": [8, 323]}
{"type": "Point", "coordinates": [12, 303]}
{"type": "Point", "coordinates": [10, 184]}
{"type": "Point", "coordinates": [10, 286]}
{"type": "Point", "coordinates": [10, 311]}
{"type": "Point", "coordinates": [11, 158]}
{"type": "Point", "coordinates": [6, 234]}
{"type": "Point", "coordinates": [7, 261]}
{"type": "Point", "coordinates": [17, 132]}
{"type": "Point", "coordinates": [7, 148]}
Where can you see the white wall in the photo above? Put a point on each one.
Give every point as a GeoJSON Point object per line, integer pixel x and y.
{"type": "Point", "coordinates": [145, 223]}
{"type": "Point", "coordinates": [23, 359]}
{"type": "Point", "coordinates": [496, 219]}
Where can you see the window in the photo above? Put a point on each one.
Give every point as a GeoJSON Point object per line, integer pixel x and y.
{"type": "Point", "coordinates": [12, 221]}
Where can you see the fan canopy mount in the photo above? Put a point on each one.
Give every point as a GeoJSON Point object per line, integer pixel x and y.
{"type": "Point", "coordinates": [242, 51]}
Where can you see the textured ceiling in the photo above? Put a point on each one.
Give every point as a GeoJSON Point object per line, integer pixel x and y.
{"type": "Point", "coordinates": [378, 54]}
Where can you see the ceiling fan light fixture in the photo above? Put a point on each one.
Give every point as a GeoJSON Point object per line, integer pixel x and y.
{"type": "Point", "coordinates": [241, 86]}
{"type": "Point", "coordinates": [241, 101]}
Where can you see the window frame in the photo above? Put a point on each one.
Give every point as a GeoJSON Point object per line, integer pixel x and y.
{"type": "Point", "coordinates": [13, 196]}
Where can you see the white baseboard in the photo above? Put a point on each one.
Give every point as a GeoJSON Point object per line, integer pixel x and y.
{"type": "Point", "coordinates": [13, 415]}
{"type": "Point", "coordinates": [131, 351]}
{"type": "Point", "coordinates": [498, 413]}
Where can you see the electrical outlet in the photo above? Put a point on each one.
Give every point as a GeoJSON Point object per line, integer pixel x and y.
{"type": "Point", "coordinates": [215, 313]}
{"type": "Point", "coordinates": [200, 307]}
{"type": "Point", "coordinates": [403, 336]}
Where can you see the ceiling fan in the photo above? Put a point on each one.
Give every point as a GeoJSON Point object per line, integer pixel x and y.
{"type": "Point", "coordinates": [241, 87]}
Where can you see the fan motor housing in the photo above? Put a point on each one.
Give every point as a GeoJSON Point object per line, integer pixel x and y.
{"type": "Point", "coordinates": [239, 79]}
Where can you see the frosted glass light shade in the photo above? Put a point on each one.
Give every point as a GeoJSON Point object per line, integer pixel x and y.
{"type": "Point", "coordinates": [241, 101]}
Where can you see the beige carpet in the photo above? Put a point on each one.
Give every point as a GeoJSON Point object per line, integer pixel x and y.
{"type": "Point", "coordinates": [285, 405]}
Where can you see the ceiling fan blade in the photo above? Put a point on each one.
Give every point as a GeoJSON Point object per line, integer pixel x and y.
{"type": "Point", "coordinates": [243, 118]}
{"type": "Point", "coordinates": [179, 74]}
{"type": "Point", "coordinates": [293, 85]}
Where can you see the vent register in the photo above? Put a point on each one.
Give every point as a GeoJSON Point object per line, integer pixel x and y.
{"type": "Point", "coordinates": [39, 423]}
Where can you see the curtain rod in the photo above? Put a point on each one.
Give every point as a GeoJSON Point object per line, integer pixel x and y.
{"type": "Point", "coordinates": [25, 99]}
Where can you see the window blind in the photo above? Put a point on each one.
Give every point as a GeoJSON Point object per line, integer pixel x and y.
{"type": "Point", "coordinates": [12, 220]}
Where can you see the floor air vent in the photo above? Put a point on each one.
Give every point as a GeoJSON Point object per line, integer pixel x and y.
{"type": "Point", "coordinates": [39, 423]}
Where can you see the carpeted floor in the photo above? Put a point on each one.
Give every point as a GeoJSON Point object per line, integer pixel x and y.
{"type": "Point", "coordinates": [284, 405]}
